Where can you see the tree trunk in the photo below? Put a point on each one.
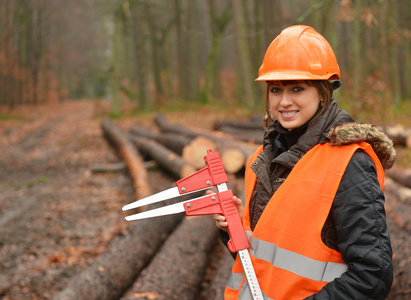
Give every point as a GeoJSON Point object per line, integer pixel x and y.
{"type": "Point", "coordinates": [172, 141]}
{"type": "Point", "coordinates": [140, 55]}
{"type": "Point", "coordinates": [398, 204]}
{"type": "Point", "coordinates": [232, 156]}
{"type": "Point", "coordinates": [246, 69]}
{"type": "Point", "coordinates": [245, 135]}
{"type": "Point", "coordinates": [218, 25]}
{"type": "Point", "coordinates": [255, 124]}
{"type": "Point", "coordinates": [399, 135]}
{"type": "Point", "coordinates": [131, 157]}
{"type": "Point", "coordinates": [108, 168]}
{"type": "Point", "coordinates": [400, 175]}
{"type": "Point", "coordinates": [114, 271]}
{"type": "Point", "coordinates": [167, 159]}
{"type": "Point", "coordinates": [191, 149]}
{"type": "Point", "coordinates": [357, 43]}
{"type": "Point", "coordinates": [115, 67]}
{"type": "Point", "coordinates": [178, 268]}
{"type": "Point", "coordinates": [392, 20]}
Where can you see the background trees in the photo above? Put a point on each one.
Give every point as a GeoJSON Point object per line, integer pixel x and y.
{"type": "Point", "coordinates": [155, 52]}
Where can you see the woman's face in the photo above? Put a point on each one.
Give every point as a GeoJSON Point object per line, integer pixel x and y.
{"type": "Point", "coordinates": [293, 104]}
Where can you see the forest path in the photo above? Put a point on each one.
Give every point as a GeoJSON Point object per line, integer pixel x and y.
{"type": "Point", "coordinates": [55, 215]}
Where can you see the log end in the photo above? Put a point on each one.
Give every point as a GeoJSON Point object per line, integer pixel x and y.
{"type": "Point", "coordinates": [194, 152]}
{"type": "Point", "coordinates": [233, 160]}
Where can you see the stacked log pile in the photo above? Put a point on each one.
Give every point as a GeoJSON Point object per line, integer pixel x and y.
{"type": "Point", "coordinates": [177, 257]}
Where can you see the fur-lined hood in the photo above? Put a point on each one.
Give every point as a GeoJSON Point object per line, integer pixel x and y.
{"type": "Point", "coordinates": [339, 128]}
{"type": "Point", "coordinates": [349, 133]}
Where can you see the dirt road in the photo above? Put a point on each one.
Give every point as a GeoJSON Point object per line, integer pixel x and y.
{"type": "Point", "coordinates": [56, 215]}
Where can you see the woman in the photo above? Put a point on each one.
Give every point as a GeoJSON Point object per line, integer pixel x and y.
{"type": "Point", "coordinates": [314, 205]}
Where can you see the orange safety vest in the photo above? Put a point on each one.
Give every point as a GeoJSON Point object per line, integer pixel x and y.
{"type": "Point", "coordinates": [288, 255]}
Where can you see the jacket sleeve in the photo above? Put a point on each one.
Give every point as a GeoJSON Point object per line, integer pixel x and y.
{"type": "Point", "coordinates": [362, 235]}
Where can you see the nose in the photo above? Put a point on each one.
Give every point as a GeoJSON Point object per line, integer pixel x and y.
{"type": "Point", "coordinates": [286, 100]}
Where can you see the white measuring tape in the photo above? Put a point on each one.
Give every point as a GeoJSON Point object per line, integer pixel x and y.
{"type": "Point", "coordinates": [250, 274]}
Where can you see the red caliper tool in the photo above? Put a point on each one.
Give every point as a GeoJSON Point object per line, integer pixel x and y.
{"type": "Point", "coordinates": [213, 175]}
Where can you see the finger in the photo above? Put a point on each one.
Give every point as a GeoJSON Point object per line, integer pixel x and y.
{"type": "Point", "coordinates": [222, 225]}
{"type": "Point", "coordinates": [237, 201]}
{"type": "Point", "coordinates": [218, 218]}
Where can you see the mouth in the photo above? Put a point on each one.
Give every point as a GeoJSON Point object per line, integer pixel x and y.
{"type": "Point", "coordinates": [288, 114]}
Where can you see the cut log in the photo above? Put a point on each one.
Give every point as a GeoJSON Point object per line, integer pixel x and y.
{"type": "Point", "coordinates": [172, 141]}
{"type": "Point", "coordinates": [398, 204]}
{"type": "Point", "coordinates": [400, 175]}
{"type": "Point", "coordinates": [401, 245]}
{"type": "Point", "coordinates": [222, 144]}
{"type": "Point", "coordinates": [133, 160]}
{"type": "Point", "coordinates": [400, 135]}
{"type": "Point", "coordinates": [253, 124]}
{"type": "Point", "coordinates": [116, 268]}
{"type": "Point", "coordinates": [194, 152]}
{"type": "Point", "coordinates": [399, 226]}
{"type": "Point", "coordinates": [245, 135]}
{"type": "Point", "coordinates": [114, 271]}
{"type": "Point", "coordinates": [192, 149]}
{"type": "Point", "coordinates": [402, 193]}
{"type": "Point", "coordinates": [166, 158]}
{"type": "Point", "coordinates": [178, 268]}
{"type": "Point", "coordinates": [108, 168]}
{"type": "Point", "coordinates": [218, 273]}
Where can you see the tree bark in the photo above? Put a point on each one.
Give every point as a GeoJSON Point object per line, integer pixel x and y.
{"type": "Point", "coordinates": [218, 273]}
{"type": "Point", "coordinates": [107, 168]}
{"type": "Point", "coordinates": [245, 62]}
{"type": "Point", "coordinates": [400, 175]}
{"type": "Point", "coordinates": [166, 158]}
{"type": "Point", "coordinates": [172, 141]}
{"type": "Point", "coordinates": [254, 124]}
{"type": "Point", "coordinates": [191, 149]}
{"type": "Point", "coordinates": [398, 204]}
{"type": "Point", "coordinates": [133, 160]}
{"type": "Point", "coordinates": [194, 152]}
{"type": "Point", "coordinates": [399, 135]}
{"type": "Point", "coordinates": [178, 268]}
{"type": "Point", "coordinates": [245, 135]}
{"type": "Point", "coordinates": [402, 193]}
{"type": "Point", "coordinates": [218, 24]}
{"type": "Point", "coordinates": [114, 271]}
{"type": "Point", "coordinates": [232, 156]}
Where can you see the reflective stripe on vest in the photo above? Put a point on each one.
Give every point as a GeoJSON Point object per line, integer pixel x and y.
{"type": "Point", "coordinates": [296, 263]}
{"type": "Point", "coordinates": [290, 260]}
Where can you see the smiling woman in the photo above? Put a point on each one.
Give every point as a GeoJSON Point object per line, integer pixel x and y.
{"type": "Point", "coordinates": [314, 205]}
{"type": "Point", "coordinates": [324, 88]}
{"type": "Point", "coordinates": [293, 103]}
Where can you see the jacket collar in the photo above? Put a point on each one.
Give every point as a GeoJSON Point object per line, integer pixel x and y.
{"type": "Point", "coordinates": [315, 134]}
{"type": "Point", "coordinates": [337, 127]}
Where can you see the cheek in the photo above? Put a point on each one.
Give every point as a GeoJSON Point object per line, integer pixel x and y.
{"type": "Point", "coordinates": [272, 103]}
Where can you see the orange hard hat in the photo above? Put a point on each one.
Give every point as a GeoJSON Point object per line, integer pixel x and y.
{"type": "Point", "coordinates": [299, 53]}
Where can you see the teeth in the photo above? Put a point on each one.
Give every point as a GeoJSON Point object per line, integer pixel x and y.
{"type": "Point", "coordinates": [289, 113]}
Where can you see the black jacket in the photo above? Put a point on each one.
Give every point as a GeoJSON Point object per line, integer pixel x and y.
{"type": "Point", "coordinates": [356, 226]}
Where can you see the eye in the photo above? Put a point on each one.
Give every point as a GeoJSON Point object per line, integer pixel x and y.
{"type": "Point", "coordinates": [298, 89]}
{"type": "Point", "coordinates": [275, 90]}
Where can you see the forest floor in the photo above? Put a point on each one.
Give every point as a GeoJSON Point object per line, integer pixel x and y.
{"type": "Point", "coordinates": [56, 215]}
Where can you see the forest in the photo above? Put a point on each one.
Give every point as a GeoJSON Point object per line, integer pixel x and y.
{"type": "Point", "coordinates": [105, 102]}
{"type": "Point", "coordinates": [170, 53]}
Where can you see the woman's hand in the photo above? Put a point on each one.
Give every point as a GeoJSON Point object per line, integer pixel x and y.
{"type": "Point", "coordinates": [220, 219]}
